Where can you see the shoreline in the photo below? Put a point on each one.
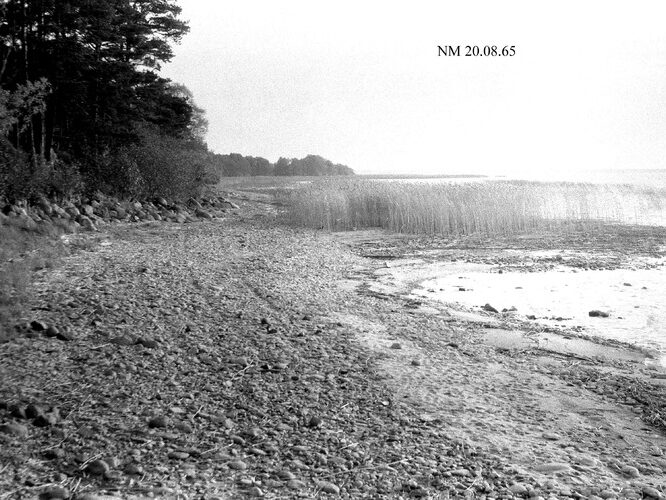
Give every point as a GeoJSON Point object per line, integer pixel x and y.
{"type": "Point", "coordinates": [281, 373]}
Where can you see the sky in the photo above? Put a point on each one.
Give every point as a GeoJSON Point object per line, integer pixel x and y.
{"type": "Point", "coordinates": [361, 83]}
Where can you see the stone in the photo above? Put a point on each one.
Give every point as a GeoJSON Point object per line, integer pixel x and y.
{"type": "Point", "coordinates": [194, 203]}
{"type": "Point", "coordinates": [72, 211]}
{"type": "Point", "coordinates": [295, 484]}
{"type": "Point", "coordinates": [45, 206]}
{"type": "Point", "coordinates": [54, 453]}
{"type": "Point", "coordinates": [489, 308]}
{"type": "Point", "coordinates": [229, 204]}
{"type": "Point", "coordinates": [133, 469]}
{"type": "Point", "coordinates": [416, 362]}
{"type": "Point", "coordinates": [396, 345]}
{"type": "Point", "coordinates": [52, 331]}
{"type": "Point", "coordinates": [178, 455]}
{"type": "Point", "coordinates": [17, 411]}
{"type": "Point", "coordinates": [327, 487]}
{"type": "Point", "coordinates": [26, 222]}
{"type": "Point", "coordinates": [97, 467]}
{"type": "Point", "coordinates": [630, 471]}
{"type": "Point", "coordinates": [255, 491]}
{"type": "Point", "coordinates": [38, 326]}
{"type": "Point", "coordinates": [202, 213]}
{"type": "Point", "coordinates": [551, 467]}
{"type": "Point", "coordinates": [158, 422]}
{"type": "Point", "coordinates": [315, 422]}
{"type": "Point", "coordinates": [46, 420]}
{"type": "Point", "coordinates": [147, 343]}
{"type": "Point", "coordinates": [65, 336]}
{"type": "Point", "coordinates": [518, 489]}
{"type": "Point", "coordinates": [551, 436]}
{"type": "Point", "coordinates": [461, 473]}
{"type": "Point", "coordinates": [286, 475]}
{"type": "Point", "coordinates": [184, 427]}
{"type": "Point", "coordinates": [87, 224]}
{"type": "Point", "coordinates": [14, 429]}
{"type": "Point", "coordinates": [54, 492]}
{"type": "Point", "coordinates": [33, 411]}
{"type": "Point", "coordinates": [237, 465]}
{"type": "Point", "coordinates": [651, 492]}
{"type": "Point", "coordinates": [598, 314]}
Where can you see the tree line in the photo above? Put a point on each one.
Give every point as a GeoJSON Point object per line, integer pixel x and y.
{"type": "Point", "coordinates": [234, 164]}
{"type": "Point", "coordinates": [82, 104]}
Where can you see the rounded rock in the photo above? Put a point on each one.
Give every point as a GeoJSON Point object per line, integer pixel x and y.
{"type": "Point", "coordinates": [237, 465]}
{"type": "Point", "coordinates": [14, 429]}
{"type": "Point", "coordinates": [295, 484]}
{"type": "Point", "coordinates": [159, 421]}
{"type": "Point", "coordinates": [327, 487]}
{"type": "Point", "coordinates": [97, 467]}
{"type": "Point", "coordinates": [178, 455]}
{"type": "Point", "coordinates": [58, 492]}
{"type": "Point", "coordinates": [651, 492]}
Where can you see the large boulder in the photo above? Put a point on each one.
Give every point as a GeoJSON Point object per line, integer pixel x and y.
{"type": "Point", "coordinates": [228, 204]}
{"type": "Point", "coordinates": [45, 206]}
{"type": "Point", "coordinates": [25, 222]}
{"type": "Point", "coordinates": [72, 211]}
{"type": "Point", "coordinates": [87, 210]}
{"type": "Point", "coordinates": [86, 223]}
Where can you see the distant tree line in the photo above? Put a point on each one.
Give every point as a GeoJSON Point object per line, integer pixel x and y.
{"type": "Point", "coordinates": [235, 165]}
{"type": "Point", "coordinates": [82, 106]}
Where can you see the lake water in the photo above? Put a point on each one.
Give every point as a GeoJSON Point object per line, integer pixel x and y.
{"type": "Point", "coordinates": [634, 298]}
{"type": "Point", "coordinates": [644, 178]}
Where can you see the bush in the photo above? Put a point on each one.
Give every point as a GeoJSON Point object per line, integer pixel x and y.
{"type": "Point", "coordinates": [21, 178]}
{"type": "Point", "coordinates": [161, 166]}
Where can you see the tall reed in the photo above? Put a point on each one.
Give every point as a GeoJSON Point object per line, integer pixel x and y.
{"type": "Point", "coordinates": [449, 208]}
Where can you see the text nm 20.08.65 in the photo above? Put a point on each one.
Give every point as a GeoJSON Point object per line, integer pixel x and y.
{"type": "Point", "coordinates": [476, 50]}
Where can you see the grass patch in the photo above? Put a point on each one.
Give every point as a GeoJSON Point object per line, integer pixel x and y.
{"type": "Point", "coordinates": [493, 207]}
{"type": "Point", "coordinates": [22, 252]}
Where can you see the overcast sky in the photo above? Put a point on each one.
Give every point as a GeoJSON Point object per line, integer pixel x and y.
{"type": "Point", "coordinates": [361, 83]}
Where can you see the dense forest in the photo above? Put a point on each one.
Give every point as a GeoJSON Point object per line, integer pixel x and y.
{"type": "Point", "coordinates": [238, 165]}
{"type": "Point", "coordinates": [83, 107]}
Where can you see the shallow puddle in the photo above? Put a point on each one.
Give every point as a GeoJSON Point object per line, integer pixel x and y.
{"type": "Point", "coordinates": [634, 299]}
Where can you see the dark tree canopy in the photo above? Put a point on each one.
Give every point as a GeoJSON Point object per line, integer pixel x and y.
{"type": "Point", "coordinates": [99, 58]}
{"type": "Point", "coordinates": [236, 165]}
{"type": "Point", "coordinates": [80, 94]}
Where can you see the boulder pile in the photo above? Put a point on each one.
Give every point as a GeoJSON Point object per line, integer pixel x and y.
{"type": "Point", "coordinates": [87, 213]}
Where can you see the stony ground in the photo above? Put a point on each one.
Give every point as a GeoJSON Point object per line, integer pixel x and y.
{"type": "Point", "coordinates": [238, 357]}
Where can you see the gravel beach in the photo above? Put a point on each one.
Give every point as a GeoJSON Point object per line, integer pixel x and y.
{"type": "Point", "coordinates": [237, 357]}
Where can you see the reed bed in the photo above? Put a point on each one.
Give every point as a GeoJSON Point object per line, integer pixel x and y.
{"type": "Point", "coordinates": [491, 207]}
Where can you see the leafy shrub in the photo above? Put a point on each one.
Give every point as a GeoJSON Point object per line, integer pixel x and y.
{"type": "Point", "coordinates": [161, 166]}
